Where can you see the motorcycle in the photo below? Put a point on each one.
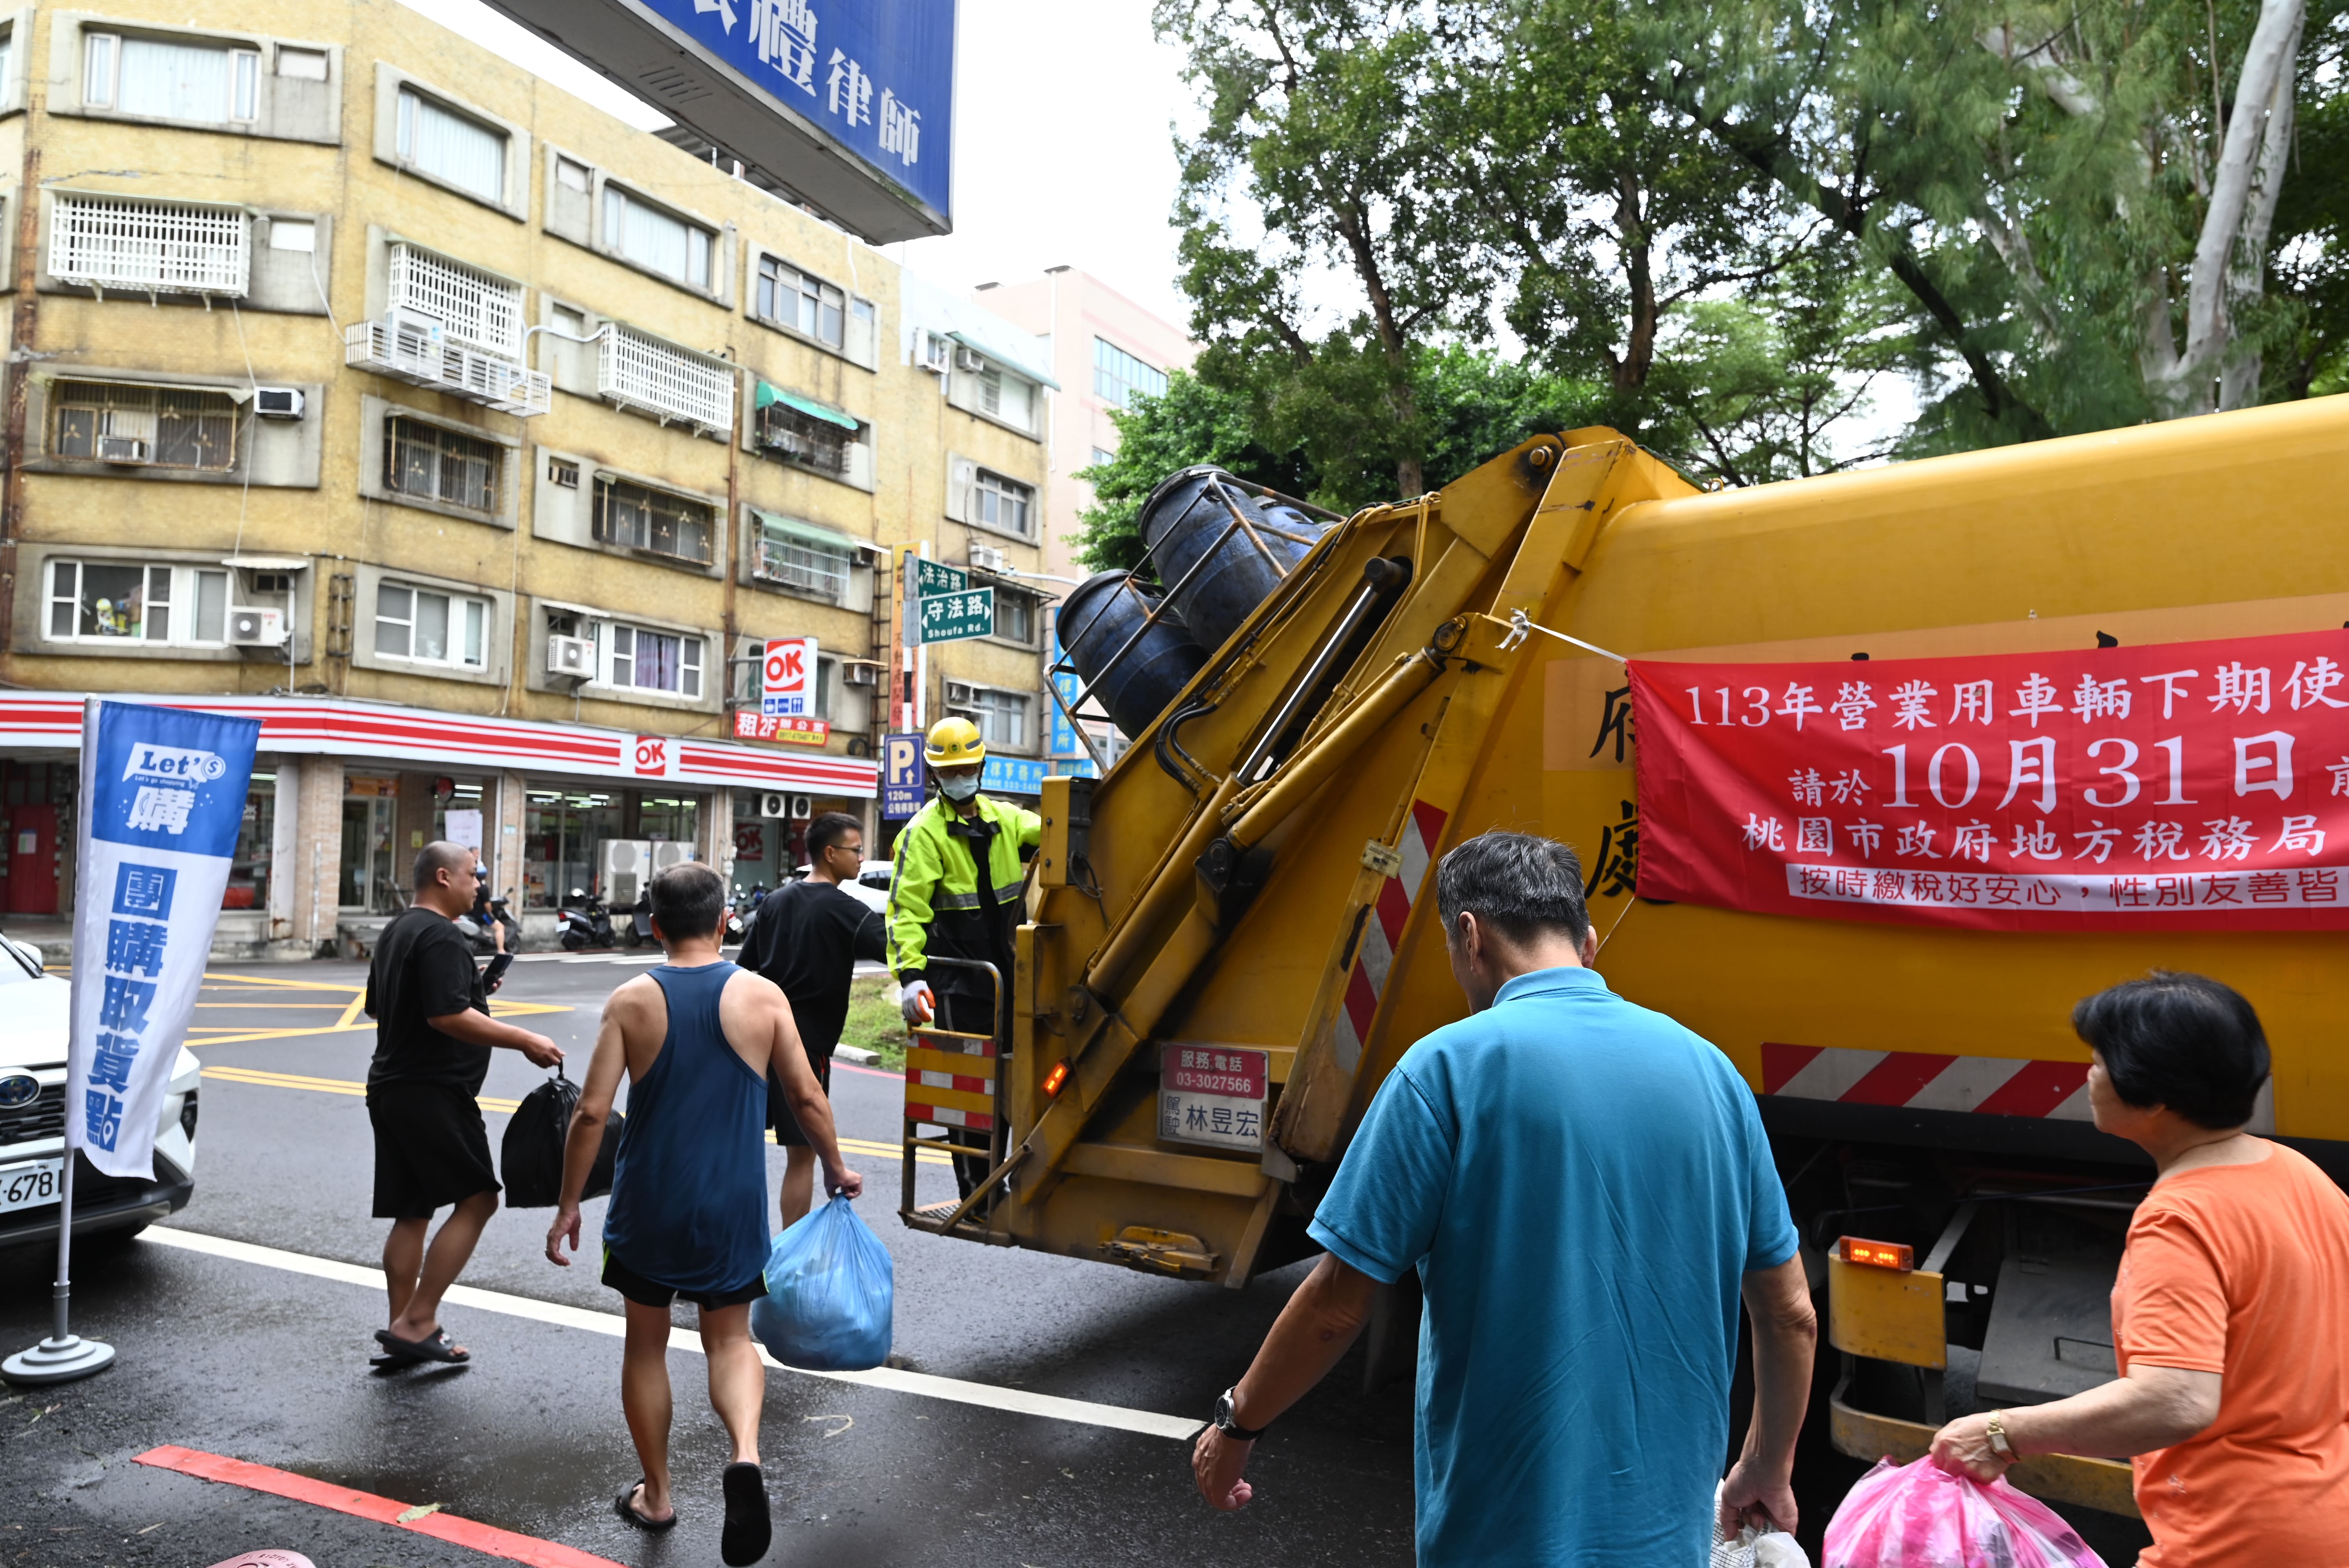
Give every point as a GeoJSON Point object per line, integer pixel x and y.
{"type": "Point", "coordinates": [583, 923]}
{"type": "Point", "coordinates": [638, 930]}
{"type": "Point", "coordinates": [482, 936]}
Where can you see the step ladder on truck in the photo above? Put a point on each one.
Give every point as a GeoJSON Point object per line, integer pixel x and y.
{"type": "Point", "coordinates": [1230, 937]}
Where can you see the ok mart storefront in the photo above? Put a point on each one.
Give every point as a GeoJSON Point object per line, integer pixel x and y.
{"type": "Point", "coordinates": [345, 791]}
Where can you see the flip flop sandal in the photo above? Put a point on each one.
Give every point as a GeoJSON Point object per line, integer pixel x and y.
{"type": "Point", "coordinates": [627, 1512]}
{"type": "Point", "coordinates": [273, 1558]}
{"type": "Point", "coordinates": [435, 1346]}
{"type": "Point", "coordinates": [749, 1529]}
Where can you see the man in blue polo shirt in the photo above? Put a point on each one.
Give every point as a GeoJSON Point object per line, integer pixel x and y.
{"type": "Point", "coordinates": [1586, 1191]}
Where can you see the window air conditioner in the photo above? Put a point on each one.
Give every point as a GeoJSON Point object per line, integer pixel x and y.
{"type": "Point", "coordinates": [668, 852]}
{"type": "Point", "coordinates": [571, 657]}
{"type": "Point", "coordinates": [969, 359]}
{"type": "Point", "coordinates": [957, 693]}
{"type": "Point", "coordinates": [936, 351]}
{"type": "Point", "coordinates": [122, 450]}
{"type": "Point", "coordinates": [860, 674]}
{"type": "Point", "coordinates": [986, 558]}
{"type": "Point", "coordinates": [256, 628]}
{"type": "Point", "coordinates": [277, 402]}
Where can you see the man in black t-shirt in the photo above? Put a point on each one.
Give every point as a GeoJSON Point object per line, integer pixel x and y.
{"type": "Point", "coordinates": [807, 938]}
{"type": "Point", "coordinates": [433, 1037]}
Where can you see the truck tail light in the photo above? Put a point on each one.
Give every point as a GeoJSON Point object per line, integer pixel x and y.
{"type": "Point", "coordinates": [1055, 1078]}
{"type": "Point", "coordinates": [1876, 1255]}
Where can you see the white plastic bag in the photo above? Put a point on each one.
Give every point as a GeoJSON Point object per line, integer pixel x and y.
{"type": "Point", "coordinates": [1752, 1547]}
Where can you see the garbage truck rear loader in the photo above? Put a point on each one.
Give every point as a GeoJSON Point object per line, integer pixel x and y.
{"type": "Point", "coordinates": [1231, 936]}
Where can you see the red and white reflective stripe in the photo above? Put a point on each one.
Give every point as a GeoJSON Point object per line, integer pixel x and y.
{"type": "Point", "coordinates": [1422, 829]}
{"type": "Point", "coordinates": [1922, 1080]}
{"type": "Point", "coordinates": [946, 1115]}
{"type": "Point", "coordinates": [950, 1080]}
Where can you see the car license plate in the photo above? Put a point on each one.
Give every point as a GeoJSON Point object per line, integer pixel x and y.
{"type": "Point", "coordinates": [29, 1185]}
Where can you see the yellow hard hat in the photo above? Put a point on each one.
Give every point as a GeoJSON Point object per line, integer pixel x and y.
{"type": "Point", "coordinates": [954, 743]}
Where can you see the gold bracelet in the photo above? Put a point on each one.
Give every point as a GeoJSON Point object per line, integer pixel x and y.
{"type": "Point", "coordinates": [1998, 1443]}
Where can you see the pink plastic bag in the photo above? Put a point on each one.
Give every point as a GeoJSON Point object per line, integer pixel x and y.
{"type": "Point", "coordinates": [1919, 1516]}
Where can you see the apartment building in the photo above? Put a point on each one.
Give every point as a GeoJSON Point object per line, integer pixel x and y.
{"type": "Point", "coordinates": [1104, 349]}
{"type": "Point", "coordinates": [476, 443]}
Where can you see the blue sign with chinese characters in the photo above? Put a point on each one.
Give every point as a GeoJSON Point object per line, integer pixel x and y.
{"type": "Point", "coordinates": [163, 795]}
{"type": "Point", "coordinates": [901, 777]}
{"type": "Point", "coordinates": [1012, 776]}
{"type": "Point", "coordinates": [878, 78]}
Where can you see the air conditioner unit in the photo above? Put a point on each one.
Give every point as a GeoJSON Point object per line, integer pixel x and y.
{"type": "Point", "coordinates": [571, 657]}
{"type": "Point", "coordinates": [969, 359]}
{"type": "Point", "coordinates": [668, 852]}
{"type": "Point", "coordinates": [860, 674]}
{"type": "Point", "coordinates": [256, 628]}
{"type": "Point", "coordinates": [937, 353]}
{"type": "Point", "coordinates": [624, 866]}
{"type": "Point", "coordinates": [986, 558]}
{"type": "Point", "coordinates": [792, 807]}
{"type": "Point", "coordinates": [277, 402]}
{"type": "Point", "coordinates": [122, 450]}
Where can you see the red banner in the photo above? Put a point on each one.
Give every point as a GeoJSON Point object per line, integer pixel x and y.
{"type": "Point", "coordinates": [2177, 785]}
{"type": "Point", "coordinates": [748, 725]}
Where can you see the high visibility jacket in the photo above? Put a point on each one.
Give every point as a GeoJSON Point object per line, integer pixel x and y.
{"type": "Point", "coordinates": [940, 907]}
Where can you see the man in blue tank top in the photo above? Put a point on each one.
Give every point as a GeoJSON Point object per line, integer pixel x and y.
{"type": "Point", "coordinates": [697, 1038]}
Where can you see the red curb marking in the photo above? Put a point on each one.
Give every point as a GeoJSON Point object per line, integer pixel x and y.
{"type": "Point", "coordinates": [445, 1527]}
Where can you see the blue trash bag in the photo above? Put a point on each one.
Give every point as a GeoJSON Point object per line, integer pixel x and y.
{"type": "Point", "coordinates": [830, 1290]}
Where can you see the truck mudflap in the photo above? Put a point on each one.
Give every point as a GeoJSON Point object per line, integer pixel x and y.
{"type": "Point", "coordinates": [1883, 1307]}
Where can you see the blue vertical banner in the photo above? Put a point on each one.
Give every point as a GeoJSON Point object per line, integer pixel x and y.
{"type": "Point", "coordinates": [875, 77]}
{"type": "Point", "coordinates": [1064, 741]}
{"type": "Point", "coordinates": [162, 793]}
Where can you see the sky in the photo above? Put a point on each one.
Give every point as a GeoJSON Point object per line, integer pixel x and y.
{"type": "Point", "coordinates": [1063, 126]}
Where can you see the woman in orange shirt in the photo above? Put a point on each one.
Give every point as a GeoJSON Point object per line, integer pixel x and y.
{"type": "Point", "coordinates": [2230, 1315]}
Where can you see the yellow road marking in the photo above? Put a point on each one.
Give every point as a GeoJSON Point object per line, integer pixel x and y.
{"type": "Point", "coordinates": [256, 1075]}
{"type": "Point", "coordinates": [286, 984]}
{"type": "Point", "coordinates": [351, 1012]}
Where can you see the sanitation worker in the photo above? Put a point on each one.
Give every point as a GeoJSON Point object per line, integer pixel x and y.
{"type": "Point", "coordinates": [955, 894]}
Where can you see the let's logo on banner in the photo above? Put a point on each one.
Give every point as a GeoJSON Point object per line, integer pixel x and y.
{"type": "Point", "coordinates": [2197, 784]}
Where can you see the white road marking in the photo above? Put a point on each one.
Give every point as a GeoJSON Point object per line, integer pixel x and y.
{"type": "Point", "coordinates": [1018, 1401]}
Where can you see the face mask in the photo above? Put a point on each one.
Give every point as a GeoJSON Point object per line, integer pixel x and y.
{"type": "Point", "coordinates": [958, 788]}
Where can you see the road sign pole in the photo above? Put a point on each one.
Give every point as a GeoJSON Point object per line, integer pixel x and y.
{"type": "Point", "coordinates": [63, 1356]}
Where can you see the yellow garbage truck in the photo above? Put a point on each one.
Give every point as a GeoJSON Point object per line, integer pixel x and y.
{"type": "Point", "coordinates": [1231, 934]}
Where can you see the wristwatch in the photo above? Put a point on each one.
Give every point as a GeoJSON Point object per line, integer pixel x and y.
{"type": "Point", "coordinates": [1227, 1424]}
{"type": "Point", "coordinates": [1997, 1434]}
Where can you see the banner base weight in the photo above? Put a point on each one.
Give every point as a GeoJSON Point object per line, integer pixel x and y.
{"type": "Point", "coordinates": [58, 1360]}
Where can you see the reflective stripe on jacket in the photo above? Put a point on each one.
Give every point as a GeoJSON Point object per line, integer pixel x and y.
{"type": "Point", "coordinates": [935, 908]}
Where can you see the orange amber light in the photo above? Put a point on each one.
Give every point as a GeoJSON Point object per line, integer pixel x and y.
{"type": "Point", "coordinates": [1876, 1255]}
{"type": "Point", "coordinates": [1055, 1078]}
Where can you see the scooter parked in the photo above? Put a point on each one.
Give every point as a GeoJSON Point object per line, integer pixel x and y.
{"type": "Point", "coordinates": [583, 923]}
{"type": "Point", "coordinates": [638, 929]}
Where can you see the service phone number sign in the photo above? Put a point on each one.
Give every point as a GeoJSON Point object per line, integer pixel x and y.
{"type": "Point", "coordinates": [1213, 1094]}
{"type": "Point", "coordinates": [2186, 785]}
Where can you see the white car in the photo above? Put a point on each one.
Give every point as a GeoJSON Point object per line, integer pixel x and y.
{"type": "Point", "coordinates": [870, 888]}
{"type": "Point", "coordinates": [33, 1121]}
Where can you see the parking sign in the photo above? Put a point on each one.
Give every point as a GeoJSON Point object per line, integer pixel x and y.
{"type": "Point", "coordinates": [901, 776]}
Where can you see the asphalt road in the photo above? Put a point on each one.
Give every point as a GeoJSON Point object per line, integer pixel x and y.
{"type": "Point", "coordinates": [263, 1357]}
{"type": "Point", "coordinates": [268, 1364]}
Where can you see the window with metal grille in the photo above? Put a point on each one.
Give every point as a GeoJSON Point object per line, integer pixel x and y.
{"type": "Point", "coordinates": [472, 306]}
{"type": "Point", "coordinates": [425, 461]}
{"type": "Point", "coordinates": [802, 438]}
{"type": "Point", "coordinates": [641, 518]}
{"type": "Point", "coordinates": [163, 426]}
{"type": "Point", "coordinates": [647, 660]}
{"type": "Point", "coordinates": [789, 297]}
{"type": "Point", "coordinates": [114, 241]}
{"type": "Point", "coordinates": [799, 561]}
{"type": "Point", "coordinates": [1118, 375]}
{"type": "Point", "coordinates": [1001, 503]}
{"type": "Point", "coordinates": [666, 380]}
{"type": "Point", "coordinates": [659, 240]}
{"type": "Point", "coordinates": [170, 78]}
{"type": "Point", "coordinates": [451, 146]}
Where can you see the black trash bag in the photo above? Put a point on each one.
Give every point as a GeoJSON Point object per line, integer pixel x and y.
{"type": "Point", "coordinates": [530, 1159]}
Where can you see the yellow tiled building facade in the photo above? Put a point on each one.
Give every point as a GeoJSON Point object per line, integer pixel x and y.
{"type": "Point", "coordinates": [353, 365]}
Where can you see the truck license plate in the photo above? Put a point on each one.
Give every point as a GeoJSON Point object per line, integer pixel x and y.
{"type": "Point", "coordinates": [1213, 1094]}
{"type": "Point", "coordinates": [30, 1185]}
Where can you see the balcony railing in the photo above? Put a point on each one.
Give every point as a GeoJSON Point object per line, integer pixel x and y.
{"type": "Point", "coordinates": [472, 307]}
{"type": "Point", "coordinates": [419, 352]}
{"type": "Point", "coordinates": [149, 247]}
{"type": "Point", "coordinates": [642, 372]}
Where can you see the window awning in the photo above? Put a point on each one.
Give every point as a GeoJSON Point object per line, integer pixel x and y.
{"type": "Point", "coordinates": [814, 533]}
{"type": "Point", "coordinates": [1030, 372]}
{"type": "Point", "coordinates": [808, 406]}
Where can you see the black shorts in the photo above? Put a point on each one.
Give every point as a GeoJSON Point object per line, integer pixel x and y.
{"type": "Point", "coordinates": [636, 1287]}
{"type": "Point", "coordinates": [779, 1109]}
{"type": "Point", "coordinates": [430, 1149]}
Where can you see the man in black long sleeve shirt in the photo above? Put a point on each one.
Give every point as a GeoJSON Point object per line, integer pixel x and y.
{"type": "Point", "coordinates": [807, 938]}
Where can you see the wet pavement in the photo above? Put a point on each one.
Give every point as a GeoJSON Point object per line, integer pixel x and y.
{"type": "Point", "coordinates": [269, 1365]}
